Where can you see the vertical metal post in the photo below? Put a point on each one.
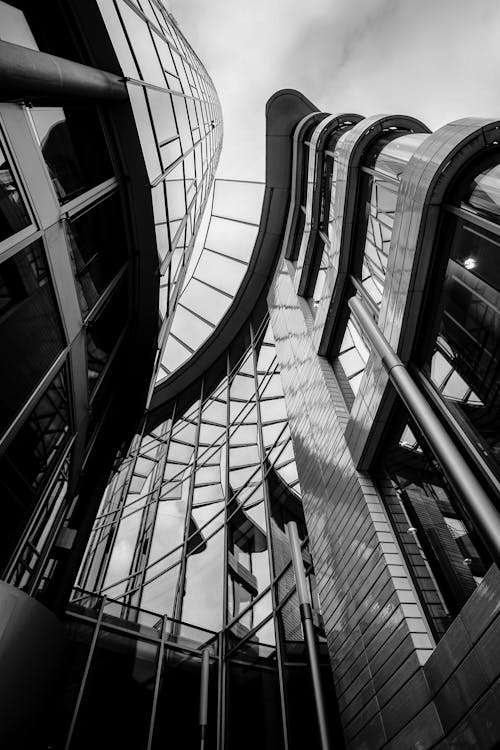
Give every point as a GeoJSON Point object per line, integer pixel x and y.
{"type": "Point", "coordinates": [222, 672]}
{"type": "Point", "coordinates": [267, 510]}
{"type": "Point", "coordinates": [204, 679]}
{"type": "Point", "coordinates": [309, 633]}
{"type": "Point", "coordinates": [85, 674]}
{"type": "Point", "coordinates": [181, 581]}
{"type": "Point", "coordinates": [159, 667]}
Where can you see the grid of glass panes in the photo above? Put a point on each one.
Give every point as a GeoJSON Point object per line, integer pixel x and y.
{"type": "Point", "coordinates": [176, 104]}
{"type": "Point", "coordinates": [217, 266]}
{"type": "Point", "coordinates": [189, 490]}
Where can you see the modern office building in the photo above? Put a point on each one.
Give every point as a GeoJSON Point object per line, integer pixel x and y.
{"type": "Point", "coordinates": [249, 441]}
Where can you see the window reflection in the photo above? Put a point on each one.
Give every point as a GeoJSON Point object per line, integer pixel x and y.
{"type": "Point", "coordinates": [29, 460]}
{"type": "Point", "coordinates": [465, 363]}
{"type": "Point", "coordinates": [103, 333]}
{"type": "Point", "coordinates": [98, 249]}
{"type": "Point", "coordinates": [28, 313]}
{"type": "Point", "coordinates": [74, 148]}
{"type": "Point", "coordinates": [30, 555]}
{"type": "Point", "coordinates": [13, 213]}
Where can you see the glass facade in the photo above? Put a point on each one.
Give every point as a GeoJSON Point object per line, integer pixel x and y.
{"type": "Point", "coordinates": [185, 585]}
{"type": "Point", "coordinates": [75, 244]}
{"type": "Point", "coordinates": [29, 313]}
{"type": "Point", "coordinates": [27, 464]}
{"type": "Point", "coordinates": [179, 124]}
{"type": "Point", "coordinates": [464, 364]}
{"type": "Point", "coordinates": [195, 490]}
{"type": "Point", "coordinates": [13, 212]}
{"type": "Point", "coordinates": [220, 259]}
{"type": "Point", "coordinates": [192, 528]}
{"type": "Point", "coordinates": [74, 149]}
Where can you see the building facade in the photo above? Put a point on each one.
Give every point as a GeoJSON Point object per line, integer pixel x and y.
{"type": "Point", "coordinates": [249, 433]}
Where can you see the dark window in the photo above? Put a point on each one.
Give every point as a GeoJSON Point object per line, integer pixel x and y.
{"type": "Point", "coordinates": [254, 717]}
{"type": "Point", "coordinates": [27, 463]}
{"type": "Point", "coordinates": [73, 147]}
{"type": "Point", "coordinates": [121, 679]}
{"type": "Point", "coordinates": [30, 330]}
{"type": "Point", "coordinates": [48, 514]}
{"type": "Point", "coordinates": [103, 333]}
{"type": "Point", "coordinates": [434, 535]}
{"type": "Point", "coordinates": [13, 213]}
{"type": "Point", "coordinates": [98, 249]}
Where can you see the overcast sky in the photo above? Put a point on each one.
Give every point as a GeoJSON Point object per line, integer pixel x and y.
{"type": "Point", "coordinates": [435, 59]}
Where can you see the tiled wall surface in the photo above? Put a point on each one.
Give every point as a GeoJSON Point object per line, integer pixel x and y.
{"type": "Point", "coordinates": [394, 688]}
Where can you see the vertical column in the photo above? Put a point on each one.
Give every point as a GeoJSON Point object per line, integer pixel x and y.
{"type": "Point", "coordinates": [204, 679]}
{"type": "Point", "coordinates": [309, 634]}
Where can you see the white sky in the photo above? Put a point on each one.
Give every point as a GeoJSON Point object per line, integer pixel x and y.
{"type": "Point", "coordinates": [435, 59]}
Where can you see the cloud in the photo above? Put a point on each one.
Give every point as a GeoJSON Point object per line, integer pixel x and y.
{"type": "Point", "coordinates": [435, 59]}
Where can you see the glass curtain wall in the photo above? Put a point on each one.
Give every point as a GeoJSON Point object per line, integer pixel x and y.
{"type": "Point", "coordinates": [220, 259]}
{"type": "Point", "coordinates": [179, 122]}
{"type": "Point", "coordinates": [193, 526]}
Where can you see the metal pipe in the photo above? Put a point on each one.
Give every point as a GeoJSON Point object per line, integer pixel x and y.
{"type": "Point", "coordinates": [29, 74]}
{"type": "Point", "coordinates": [309, 632]}
{"type": "Point", "coordinates": [205, 673]}
{"type": "Point", "coordinates": [477, 503]}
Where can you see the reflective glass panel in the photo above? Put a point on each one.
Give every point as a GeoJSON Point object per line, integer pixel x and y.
{"type": "Point", "coordinates": [29, 459]}
{"type": "Point", "coordinates": [98, 249]}
{"type": "Point", "coordinates": [74, 148]}
{"type": "Point", "coordinates": [465, 362]}
{"type": "Point", "coordinates": [28, 312]}
{"type": "Point", "coordinates": [13, 213]}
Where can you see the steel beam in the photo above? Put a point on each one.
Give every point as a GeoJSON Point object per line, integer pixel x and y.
{"type": "Point", "coordinates": [29, 74]}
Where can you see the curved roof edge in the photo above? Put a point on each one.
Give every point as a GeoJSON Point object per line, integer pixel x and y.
{"type": "Point", "coordinates": [283, 111]}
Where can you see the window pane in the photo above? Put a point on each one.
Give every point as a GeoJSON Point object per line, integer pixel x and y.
{"type": "Point", "coordinates": [27, 313]}
{"type": "Point", "coordinates": [98, 249]}
{"type": "Point", "coordinates": [13, 213]}
{"type": "Point", "coordinates": [103, 333]}
{"type": "Point", "coordinates": [465, 362]}
{"type": "Point", "coordinates": [73, 147]}
{"type": "Point", "coordinates": [28, 460]}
